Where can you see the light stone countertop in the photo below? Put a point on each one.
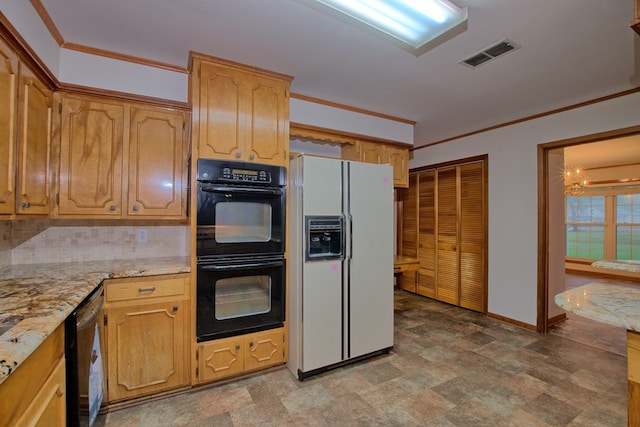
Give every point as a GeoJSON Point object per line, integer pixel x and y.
{"type": "Point", "coordinates": [613, 304]}
{"type": "Point", "coordinates": [35, 299]}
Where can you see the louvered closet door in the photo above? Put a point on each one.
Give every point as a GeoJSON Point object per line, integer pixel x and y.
{"type": "Point", "coordinates": [427, 234]}
{"type": "Point", "coordinates": [472, 237]}
{"type": "Point", "coordinates": [407, 281]}
{"type": "Point", "coordinates": [447, 235]}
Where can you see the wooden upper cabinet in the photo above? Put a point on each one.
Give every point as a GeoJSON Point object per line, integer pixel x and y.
{"type": "Point", "coordinates": [25, 129]}
{"type": "Point", "coordinates": [34, 145]}
{"type": "Point", "coordinates": [373, 152]}
{"type": "Point", "coordinates": [122, 160]}
{"type": "Point", "coordinates": [240, 113]}
{"type": "Point", "coordinates": [398, 157]}
{"type": "Point", "coordinates": [8, 117]}
{"type": "Point", "coordinates": [91, 147]}
{"type": "Point", "coordinates": [157, 163]}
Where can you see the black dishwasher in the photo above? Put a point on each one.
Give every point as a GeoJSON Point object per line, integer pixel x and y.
{"type": "Point", "coordinates": [84, 361]}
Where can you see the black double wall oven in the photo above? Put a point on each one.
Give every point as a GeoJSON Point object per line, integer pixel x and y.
{"type": "Point", "coordinates": [240, 244]}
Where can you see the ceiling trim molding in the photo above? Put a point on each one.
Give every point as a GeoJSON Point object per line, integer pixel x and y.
{"type": "Point", "coordinates": [350, 108]}
{"type": "Point", "coordinates": [57, 36]}
{"type": "Point", "coordinates": [533, 117]}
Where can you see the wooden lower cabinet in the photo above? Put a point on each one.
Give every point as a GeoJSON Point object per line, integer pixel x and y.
{"type": "Point", "coordinates": [147, 335]}
{"type": "Point", "coordinates": [35, 394]}
{"type": "Point", "coordinates": [236, 355]}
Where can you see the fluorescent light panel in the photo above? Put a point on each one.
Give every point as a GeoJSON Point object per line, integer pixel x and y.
{"type": "Point", "coordinates": [414, 22]}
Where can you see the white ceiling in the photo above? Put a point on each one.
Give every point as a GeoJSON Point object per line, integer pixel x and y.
{"type": "Point", "coordinates": [571, 51]}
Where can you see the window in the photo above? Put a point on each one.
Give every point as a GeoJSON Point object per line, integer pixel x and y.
{"type": "Point", "coordinates": [588, 233]}
{"type": "Point", "coordinates": [628, 226]}
{"type": "Point", "coordinates": [585, 227]}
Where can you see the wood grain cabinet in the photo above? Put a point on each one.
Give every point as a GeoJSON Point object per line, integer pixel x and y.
{"type": "Point", "coordinates": [443, 224]}
{"type": "Point", "coordinates": [121, 160]}
{"type": "Point", "coordinates": [35, 394]}
{"type": "Point", "coordinates": [237, 355]}
{"type": "Point", "coordinates": [239, 112]}
{"type": "Point", "coordinates": [373, 152]}
{"type": "Point", "coordinates": [147, 335]}
{"type": "Point", "coordinates": [25, 128]}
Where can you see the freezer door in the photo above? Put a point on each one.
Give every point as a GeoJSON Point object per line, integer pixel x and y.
{"type": "Point", "coordinates": [369, 264]}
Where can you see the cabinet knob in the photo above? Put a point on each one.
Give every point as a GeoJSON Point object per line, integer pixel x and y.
{"type": "Point", "coordinates": [175, 308]}
{"type": "Point", "coordinates": [250, 343]}
{"type": "Point", "coordinates": [25, 204]}
{"type": "Point", "coordinates": [251, 156]}
{"type": "Point", "coordinates": [112, 207]}
{"type": "Point", "coordinates": [135, 208]}
{"type": "Point", "coordinates": [237, 346]}
{"type": "Point", "coordinates": [238, 154]}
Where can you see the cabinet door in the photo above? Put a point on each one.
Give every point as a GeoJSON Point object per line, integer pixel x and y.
{"type": "Point", "coordinates": [8, 115]}
{"type": "Point", "coordinates": [267, 123]}
{"type": "Point", "coordinates": [399, 159]}
{"type": "Point", "coordinates": [48, 408]}
{"type": "Point", "coordinates": [221, 112]}
{"type": "Point", "coordinates": [264, 349]}
{"type": "Point", "coordinates": [157, 163]}
{"type": "Point", "coordinates": [370, 152]}
{"type": "Point", "coordinates": [34, 175]}
{"type": "Point", "coordinates": [91, 158]}
{"type": "Point", "coordinates": [409, 234]}
{"type": "Point", "coordinates": [447, 235]}
{"type": "Point", "coordinates": [220, 358]}
{"type": "Point", "coordinates": [146, 349]}
{"type": "Point", "coordinates": [427, 233]}
{"type": "Point", "coordinates": [472, 237]}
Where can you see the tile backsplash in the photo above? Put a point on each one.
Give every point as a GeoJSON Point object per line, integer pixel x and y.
{"type": "Point", "coordinates": [47, 241]}
{"type": "Point", "coordinates": [5, 243]}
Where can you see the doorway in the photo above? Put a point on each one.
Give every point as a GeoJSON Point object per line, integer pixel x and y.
{"type": "Point", "coordinates": [546, 199]}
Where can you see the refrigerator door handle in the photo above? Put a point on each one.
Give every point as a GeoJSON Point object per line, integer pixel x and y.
{"type": "Point", "coordinates": [350, 243]}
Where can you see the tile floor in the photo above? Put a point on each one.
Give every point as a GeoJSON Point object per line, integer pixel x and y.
{"type": "Point", "coordinates": [449, 367]}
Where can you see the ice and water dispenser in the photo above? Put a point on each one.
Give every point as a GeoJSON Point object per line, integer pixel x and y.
{"type": "Point", "coordinates": [325, 237]}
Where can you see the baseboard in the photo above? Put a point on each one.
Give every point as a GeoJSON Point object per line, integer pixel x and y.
{"type": "Point", "coordinates": [513, 322]}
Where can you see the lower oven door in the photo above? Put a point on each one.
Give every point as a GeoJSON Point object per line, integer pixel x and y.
{"type": "Point", "coordinates": [239, 295]}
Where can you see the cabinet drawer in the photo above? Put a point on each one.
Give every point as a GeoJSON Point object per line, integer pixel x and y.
{"type": "Point", "coordinates": [148, 287]}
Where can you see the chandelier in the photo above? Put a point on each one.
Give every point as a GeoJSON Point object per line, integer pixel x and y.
{"type": "Point", "coordinates": [575, 182]}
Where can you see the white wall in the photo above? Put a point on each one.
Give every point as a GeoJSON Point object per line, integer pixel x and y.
{"type": "Point", "coordinates": [325, 116]}
{"type": "Point", "coordinates": [513, 192]}
{"type": "Point", "coordinates": [121, 76]}
{"type": "Point", "coordinates": [26, 20]}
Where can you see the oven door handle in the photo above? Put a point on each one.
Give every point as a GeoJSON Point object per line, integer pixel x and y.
{"type": "Point", "coordinates": [246, 190]}
{"type": "Point", "coordinates": [241, 266]}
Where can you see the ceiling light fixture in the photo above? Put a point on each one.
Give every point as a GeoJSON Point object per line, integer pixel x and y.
{"type": "Point", "coordinates": [575, 182]}
{"type": "Point", "coordinates": [414, 25]}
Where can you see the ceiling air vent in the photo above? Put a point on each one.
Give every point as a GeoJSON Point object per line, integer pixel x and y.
{"type": "Point", "coordinates": [490, 53]}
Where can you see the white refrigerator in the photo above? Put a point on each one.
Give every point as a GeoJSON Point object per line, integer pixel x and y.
{"type": "Point", "coordinates": [341, 304]}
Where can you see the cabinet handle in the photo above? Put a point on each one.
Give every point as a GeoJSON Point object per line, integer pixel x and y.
{"type": "Point", "coordinates": [135, 208]}
{"type": "Point", "coordinates": [112, 207]}
{"type": "Point", "coordinates": [238, 154]}
{"type": "Point", "coordinates": [25, 204]}
{"type": "Point", "coordinates": [453, 247]}
{"type": "Point", "coordinates": [150, 289]}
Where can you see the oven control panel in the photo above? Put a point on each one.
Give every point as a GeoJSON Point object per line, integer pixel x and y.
{"type": "Point", "coordinates": [232, 172]}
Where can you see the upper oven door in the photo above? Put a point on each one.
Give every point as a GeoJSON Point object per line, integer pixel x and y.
{"type": "Point", "coordinates": [240, 220]}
